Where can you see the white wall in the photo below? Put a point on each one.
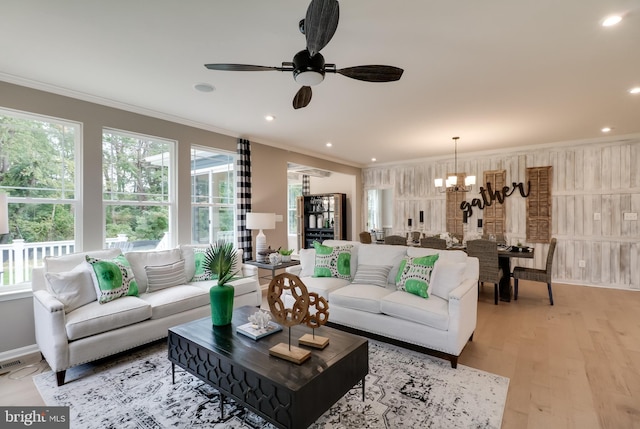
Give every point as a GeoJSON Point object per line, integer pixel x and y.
{"type": "Point", "coordinates": [590, 178]}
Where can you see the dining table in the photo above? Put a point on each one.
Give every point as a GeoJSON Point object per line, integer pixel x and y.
{"type": "Point", "coordinates": [505, 254]}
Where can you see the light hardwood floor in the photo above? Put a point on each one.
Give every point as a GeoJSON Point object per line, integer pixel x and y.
{"type": "Point", "coordinates": [573, 365]}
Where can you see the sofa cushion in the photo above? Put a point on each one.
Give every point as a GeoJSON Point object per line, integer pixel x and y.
{"type": "Point", "coordinates": [359, 297]}
{"type": "Point", "coordinates": [193, 255]}
{"type": "Point", "coordinates": [112, 278]}
{"type": "Point", "coordinates": [414, 275]}
{"type": "Point", "coordinates": [241, 286]}
{"type": "Point", "coordinates": [332, 261]}
{"type": "Point", "coordinates": [72, 288]}
{"type": "Point", "coordinates": [382, 254]}
{"type": "Point", "coordinates": [433, 312]}
{"type": "Point", "coordinates": [375, 275]}
{"type": "Point", "coordinates": [174, 300]}
{"type": "Point", "coordinates": [323, 286]}
{"type": "Point", "coordinates": [139, 260]}
{"type": "Point", "coordinates": [164, 276]}
{"type": "Point", "coordinates": [59, 264]}
{"type": "Point", "coordinates": [446, 277]}
{"type": "Point", "coordinates": [95, 318]}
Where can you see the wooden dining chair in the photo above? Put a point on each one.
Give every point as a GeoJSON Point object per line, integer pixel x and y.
{"type": "Point", "coordinates": [365, 237]}
{"type": "Point", "coordinates": [433, 243]}
{"type": "Point", "coordinates": [487, 253]}
{"type": "Point", "coordinates": [395, 240]}
{"type": "Point", "coordinates": [536, 275]}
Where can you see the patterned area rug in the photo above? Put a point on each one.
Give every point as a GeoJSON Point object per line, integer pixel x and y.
{"type": "Point", "coordinates": [404, 389]}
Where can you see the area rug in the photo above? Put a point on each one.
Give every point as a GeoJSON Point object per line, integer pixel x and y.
{"type": "Point", "coordinates": [404, 389]}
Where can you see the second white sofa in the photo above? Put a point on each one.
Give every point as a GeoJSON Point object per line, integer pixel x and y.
{"type": "Point", "coordinates": [370, 303]}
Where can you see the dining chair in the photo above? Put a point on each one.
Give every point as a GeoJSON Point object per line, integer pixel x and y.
{"type": "Point", "coordinates": [395, 240]}
{"type": "Point", "coordinates": [487, 253]}
{"type": "Point", "coordinates": [433, 243]}
{"type": "Point", "coordinates": [365, 237]}
{"type": "Point", "coordinates": [536, 275]}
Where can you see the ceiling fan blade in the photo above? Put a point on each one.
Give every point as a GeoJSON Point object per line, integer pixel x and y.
{"type": "Point", "coordinates": [239, 67]}
{"type": "Point", "coordinates": [302, 98]}
{"type": "Point", "coordinates": [320, 24]}
{"type": "Point", "coordinates": [373, 73]}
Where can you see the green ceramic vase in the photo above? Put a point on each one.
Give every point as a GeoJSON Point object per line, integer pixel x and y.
{"type": "Point", "coordinates": [221, 300]}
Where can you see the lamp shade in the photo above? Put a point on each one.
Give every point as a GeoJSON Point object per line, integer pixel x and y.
{"type": "Point", "coordinates": [261, 221]}
{"type": "Point", "coordinates": [4, 214]}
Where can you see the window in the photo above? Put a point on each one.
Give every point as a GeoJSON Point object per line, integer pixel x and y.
{"type": "Point", "coordinates": [137, 182]}
{"type": "Point", "coordinates": [295, 190]}
{"type": "Point", "coordinates": [37, 171]}
{"type": "Point", "coordinates": [212, 196]}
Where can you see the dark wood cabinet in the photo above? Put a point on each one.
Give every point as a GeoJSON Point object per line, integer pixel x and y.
{"type": "Point", "coordinates": [321, 217]}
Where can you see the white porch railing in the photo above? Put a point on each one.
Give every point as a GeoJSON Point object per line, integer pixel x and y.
{"type": "Point", "coordinates": [18, 258]}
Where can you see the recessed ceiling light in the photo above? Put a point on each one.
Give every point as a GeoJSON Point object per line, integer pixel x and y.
{"type": "Point", "coordinates": [635, 90]}
{"type": "Point", "coordinates": [373, 160]}
{"type": "Point", "coordinates": [269, 118]}
{"type": "Point", "coordinates": [611, 20]}
{"type": "Point", "coordinates": [204, 87]}
{"type": "Point", "coordinates": [606, 129]}
{"type": "Point", "coordinates": [329, 144]}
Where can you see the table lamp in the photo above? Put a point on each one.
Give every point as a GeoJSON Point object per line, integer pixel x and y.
{"type": "Point", "coordinates": [261, 221]}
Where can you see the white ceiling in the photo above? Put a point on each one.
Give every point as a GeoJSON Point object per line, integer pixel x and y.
{"type": "Point", "coordinates": [497, 73]}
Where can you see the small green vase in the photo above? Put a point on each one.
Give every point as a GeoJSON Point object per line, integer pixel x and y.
{"type": "Point", "coordinates": [221, 300]}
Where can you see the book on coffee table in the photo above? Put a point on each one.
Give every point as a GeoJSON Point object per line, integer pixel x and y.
{"type": "Point", "coordinates": [251, 331]}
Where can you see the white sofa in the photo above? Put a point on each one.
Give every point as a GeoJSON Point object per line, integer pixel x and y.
{"type": "Point", "coordinates": [440, 325]}
{"type": "Point", "coordinates": [69, 336]}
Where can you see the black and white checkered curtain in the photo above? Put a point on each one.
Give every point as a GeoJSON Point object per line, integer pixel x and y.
{"type": "Point", "coordinates": [306, 185]}
{"type": "Point", "coordinates": [243, 199]}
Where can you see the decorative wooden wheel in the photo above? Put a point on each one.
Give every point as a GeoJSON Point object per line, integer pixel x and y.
{"type": "Point", "coordinates": [288, 316]}
{"type": "Point", "coordinates": [321, 315]}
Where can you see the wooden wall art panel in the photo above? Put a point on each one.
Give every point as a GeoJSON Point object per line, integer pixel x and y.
{"type": "Point", "coordinates": [495, 215]}
{"type": "Point", "coordinates": [539, 204]}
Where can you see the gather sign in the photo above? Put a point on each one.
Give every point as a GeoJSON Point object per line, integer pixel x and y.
{"type": "Point", "coordinates": [489, 196]}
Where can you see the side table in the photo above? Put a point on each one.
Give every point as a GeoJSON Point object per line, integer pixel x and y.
{"type": "Point", "coordinates": [271, 267]}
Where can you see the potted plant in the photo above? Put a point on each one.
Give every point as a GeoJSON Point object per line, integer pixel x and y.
{"type": "Point", "coordinates": [286, 254]}
{"type": "Point", "coordinates": [218, 263]}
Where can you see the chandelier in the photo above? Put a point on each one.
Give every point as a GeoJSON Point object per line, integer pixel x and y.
{"type": "Point", "coordinates": [451, 184]}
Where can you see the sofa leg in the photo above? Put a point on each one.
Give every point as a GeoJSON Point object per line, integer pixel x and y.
{"type": "Point", "coordinates": [471, 337]}
{"type": "Point", "coordinates": [454, 362]}
{"type": "Point", "coordinates": [60, 377]}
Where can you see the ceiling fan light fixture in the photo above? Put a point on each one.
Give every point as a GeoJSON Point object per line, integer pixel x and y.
{"type": "Point", "coordinates": [308, 70]}
{"type": "Point", "coordinates": [308, 78]}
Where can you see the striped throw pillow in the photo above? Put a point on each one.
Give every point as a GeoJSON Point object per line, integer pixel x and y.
{"type": "Point", "coordinates": [372, 275]}
{"type": "Point", "coordinates": [164, 276]}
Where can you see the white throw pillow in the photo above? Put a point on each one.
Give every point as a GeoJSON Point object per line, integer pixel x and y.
{"type": "Point", "coordinates": [72, 288]}
{"type": "Point", "coordinates": [307, 262]}
{"type": "Point", "coordinates": [164, 276]}
{"type": "Point", "coordinates": [446, 277]}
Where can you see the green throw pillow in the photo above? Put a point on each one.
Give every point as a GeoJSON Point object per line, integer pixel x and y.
{"type": "Point", "coordinates": [200, 273]}
{"type": "Point", "coordinates": [414, 274]}
{"type": "Point", "coordinates": [113, 278]}
{"type": "Point", "coordinates": [332, 261]}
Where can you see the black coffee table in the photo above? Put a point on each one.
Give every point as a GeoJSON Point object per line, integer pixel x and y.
{"type": "Point", "coordinates": [284, 393]}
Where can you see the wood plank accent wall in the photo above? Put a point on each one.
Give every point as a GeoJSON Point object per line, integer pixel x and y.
{"type": "Point", "coordinates": [589, 178]}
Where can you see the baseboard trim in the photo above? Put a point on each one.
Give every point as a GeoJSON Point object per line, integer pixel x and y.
{"type": "Point", "coordinates": [16, 358]}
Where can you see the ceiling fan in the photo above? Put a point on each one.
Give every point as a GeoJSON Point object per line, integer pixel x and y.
{"type": "Point", "coordinates": [308, 66]}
